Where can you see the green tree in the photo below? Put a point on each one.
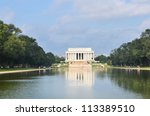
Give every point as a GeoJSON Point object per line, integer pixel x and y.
{"type": "Point", "coordinates": [14, 50]}
{"type": "Point", "coordinates": [50, 59]}
{"type": "Point", "coordinates": [21, 50]}
{"type": "Point", "coordinates": [59, 59]}
{"type": "Point", "coordinates": [135, 53]}
{"type": "Point", "coordinates": [101, 58]}
{"type": "Point", "coordinates": [146, 33]}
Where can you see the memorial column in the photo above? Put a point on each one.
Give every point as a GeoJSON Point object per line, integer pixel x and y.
{"type": "Point", "coordinates": [93, 56]}
{"type": "Point", "coordinates": [86, 56]}
{"type": "Point", "coordinates": [68, 56]}
{"type": "Point", "coordinates": [71, 57]}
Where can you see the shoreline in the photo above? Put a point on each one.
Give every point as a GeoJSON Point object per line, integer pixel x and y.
{"type": "Point", "coordinates": [131, 68]}
{"type": "Point", "coordinates": [41, 69]}
{"type": "Point", "coordinates": [21, 71]}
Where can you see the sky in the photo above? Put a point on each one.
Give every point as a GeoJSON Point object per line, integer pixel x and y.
{"type": "Point", "coordinates": [57, 25]}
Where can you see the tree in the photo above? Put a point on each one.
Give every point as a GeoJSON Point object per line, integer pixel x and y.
{"type": "Point", "coordinates": [6, 32]}
{"type": "Point", "coordinates": [135, 53]}
{"type": "Point", "coordinates": [146, 33]}
{"type": "Point", "coordinates": [102, 59]}
{"type": "Point", "coordinates": [59, 59]}
{"type": "Point", "coordinates": [14, 50]}
{"type": "Point", "coordinates": [50, 59]}
{"type": "Point", "coordinates": [21, 50]}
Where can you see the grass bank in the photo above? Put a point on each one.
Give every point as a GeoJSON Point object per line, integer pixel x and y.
{"type": "Point", "coordinates": [130, 68]}
{"type": "Point", "coordinates": [19, 70]}
{"type": "Point", "coordinates": [13, 69]}
{"type": "Point", "coordinates": [60, 65]}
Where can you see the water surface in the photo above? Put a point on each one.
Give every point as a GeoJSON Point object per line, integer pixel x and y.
{"type": "Point", "coordinates": [76, 83]}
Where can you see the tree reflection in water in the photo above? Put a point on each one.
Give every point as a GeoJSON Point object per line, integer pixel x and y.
{"type": "Point", "coordinates": [133, 80]}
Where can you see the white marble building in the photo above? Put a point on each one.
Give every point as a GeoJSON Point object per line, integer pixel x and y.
{"type": "Point", "coordinates": [79, 54]}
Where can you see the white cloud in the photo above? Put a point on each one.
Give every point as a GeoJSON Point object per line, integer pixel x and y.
{"type": "Point", "coordinates": [145, 24]}
{"type": "Point", "coordinates": [60, 2]}
{"type": "Point", "coordinates": [65, 19]}
{"type": "Point", "coordinates": [56, 6]}
{"type": "Point", "coordinates": [140, 1]}
{"type": "Point", "coordinates": [74, 23]}
{"type": "Point", "coordinates": [26, 28]}
{"type": "Point", "coordinates": [102, 9]}
{"type": "Point", "coordinates": [7, 15]}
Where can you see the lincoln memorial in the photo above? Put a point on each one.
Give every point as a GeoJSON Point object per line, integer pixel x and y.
{"type": "Point", "coordinates": [78, 56]}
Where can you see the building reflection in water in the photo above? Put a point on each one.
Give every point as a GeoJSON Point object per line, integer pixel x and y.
{"type": "Point", "coordinates": [82, 76]}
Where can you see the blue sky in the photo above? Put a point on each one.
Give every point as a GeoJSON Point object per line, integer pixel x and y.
{"type": "Point", "coordinates": [57, 25]}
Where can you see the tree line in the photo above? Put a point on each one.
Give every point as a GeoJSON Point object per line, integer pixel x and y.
{"type": "Point", "coordinates": [18, 50]}
{"type": "Point", "coordinates": [134, 53]}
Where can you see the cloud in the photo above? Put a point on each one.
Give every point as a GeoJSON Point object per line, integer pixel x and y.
{"type": "Point", "coordinates": [100, 24]}
{"type": "Point", "coordinates": [106, 9]}
{"type": "Point", "coordinates": [26, 28]}
{"type": "Point", "coordinates": [7, 15]}
{"type": "Point", "coordinates": [81, 23]}
{"type": "Point", "coordinates": [145, 24]}
{"type": "Point", "coordinates": [57, 6]}
{"type": "Point", "coordinates": [66, 19]}
{"type": "Point", "coordinates": [139, 1]}
{"type": "Point", "coordinates": [60, 2]}
{"type": "Point", "coordinates": [99, 9]}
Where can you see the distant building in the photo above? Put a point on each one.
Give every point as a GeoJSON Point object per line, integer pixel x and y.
{"type": "Point", "coordinates": [76, 55]}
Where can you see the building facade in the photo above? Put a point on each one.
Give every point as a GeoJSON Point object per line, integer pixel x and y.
{"type": "Point", "coordinates": [79, 54]}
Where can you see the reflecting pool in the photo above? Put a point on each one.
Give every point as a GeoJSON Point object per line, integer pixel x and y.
{"type": "Point", "coordinates": [76, 83]}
